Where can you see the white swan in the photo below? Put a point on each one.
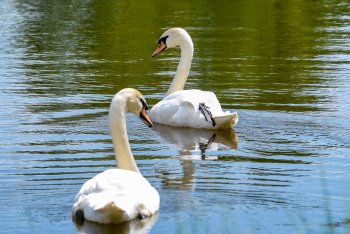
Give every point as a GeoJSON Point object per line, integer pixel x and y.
{"type": "Point", "coordinates": [188, 108]}
{"type": "Point", "coordinates": [123, 194]}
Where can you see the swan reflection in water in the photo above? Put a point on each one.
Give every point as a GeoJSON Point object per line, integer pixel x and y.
{"type": "Point", "coordinates": [192, 144]}
{"type": "Point", "coordinates": [191, 141]}
{"type": "Point", "coordinates": [139, 226]}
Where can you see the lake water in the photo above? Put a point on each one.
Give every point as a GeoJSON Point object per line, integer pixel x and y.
{"type": "Point", "coordinates": [283, 65]}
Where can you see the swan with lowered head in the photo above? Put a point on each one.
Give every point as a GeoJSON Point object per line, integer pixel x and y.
{"type": "Point", "coordinates": [122, 194]}
{"type": "Point", "coordinates": [188, 108]}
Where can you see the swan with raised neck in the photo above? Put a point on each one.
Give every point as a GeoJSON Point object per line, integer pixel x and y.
{"type": "Point", "coordinates": [188, 108]}
{"type": "Point", "coordinates": [172, 38]}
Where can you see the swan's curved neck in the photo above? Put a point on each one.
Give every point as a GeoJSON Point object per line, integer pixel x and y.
{"type": "Point", "coordinates": [117, 123]}
{"type": "Point", "coordinates": [184, 66]}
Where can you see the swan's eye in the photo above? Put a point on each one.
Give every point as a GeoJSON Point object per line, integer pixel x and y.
{"type": "Point", "coordinates": [144, 104]}
{"type": "Point", "coordinates": [163, 39]}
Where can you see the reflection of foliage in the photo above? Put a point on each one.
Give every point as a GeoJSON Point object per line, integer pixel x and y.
{"type": "Point", "coordinates": [261, 59]}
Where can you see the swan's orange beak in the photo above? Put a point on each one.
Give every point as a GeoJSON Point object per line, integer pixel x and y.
{"type": "Point", "coordinates": [145, 118]}
{"type": "Point", "coordinates": [162, 46]}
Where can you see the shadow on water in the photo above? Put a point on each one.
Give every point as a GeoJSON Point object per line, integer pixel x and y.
{"type": "Point", "coordinates": [142, 226]}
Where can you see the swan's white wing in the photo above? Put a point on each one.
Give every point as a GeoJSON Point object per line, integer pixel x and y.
{"type": "Point", "coordinates": [175, 108]}
{"type": "Point", "coordinates": [115, 196]}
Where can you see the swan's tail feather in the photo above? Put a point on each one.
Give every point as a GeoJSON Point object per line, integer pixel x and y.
{"type": "Point", "coordinates": [206, 113]}
{"type": "Point", "coordinates": [225, 121]}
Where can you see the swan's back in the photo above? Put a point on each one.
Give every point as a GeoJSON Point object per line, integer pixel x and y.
{"type": "Point", "coordinates": [181, 109]}
{"type": "Point", "coordinates": [115, 196]}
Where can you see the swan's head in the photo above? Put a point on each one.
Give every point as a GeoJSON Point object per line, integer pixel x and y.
{"type": "Point", "coordinates": [172, 38]}
{"type": "Point", "coordinates": [135, 103]}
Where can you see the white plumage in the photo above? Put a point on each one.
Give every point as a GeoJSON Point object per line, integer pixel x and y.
{"type": "Point", "coordinates": [115, 196]}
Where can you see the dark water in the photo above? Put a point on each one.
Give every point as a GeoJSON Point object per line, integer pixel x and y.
{"type": "Point", "coordinates": [283, 65]}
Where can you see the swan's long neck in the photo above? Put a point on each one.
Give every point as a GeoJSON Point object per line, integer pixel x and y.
{"type": "Point", "coordinates": [184, 66]}
{"type": "Point", "coordinates": [117, 123]}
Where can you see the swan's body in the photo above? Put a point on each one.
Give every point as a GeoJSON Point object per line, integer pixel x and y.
{"type": "Point", "coordinates": [188, 108]}
{"type": "Point", "coordinates": [181, 109]}
{"type": "Point", "coordinates": [123, 194]}
{"type": "Point", "coordinates": [115, 196]}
